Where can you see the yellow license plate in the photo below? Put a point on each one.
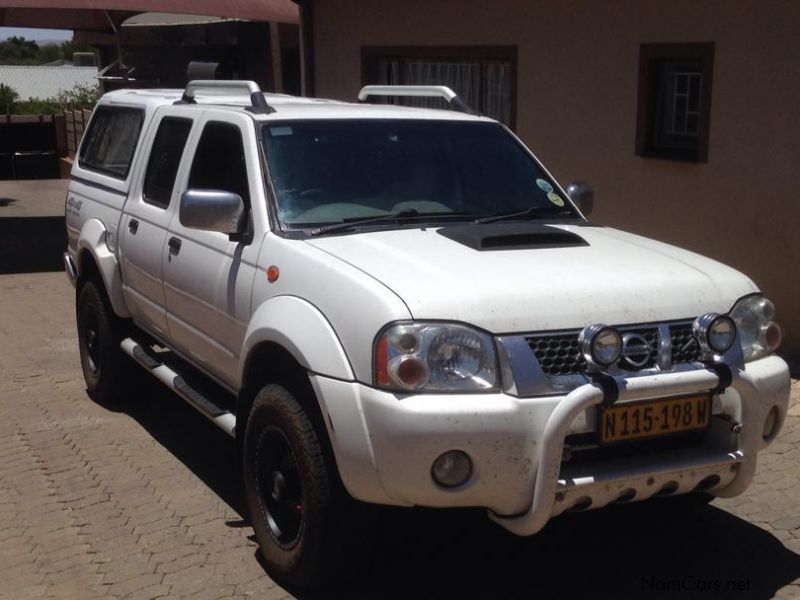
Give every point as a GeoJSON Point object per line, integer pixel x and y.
{"type": "Point", "coordinates": [654, 417]}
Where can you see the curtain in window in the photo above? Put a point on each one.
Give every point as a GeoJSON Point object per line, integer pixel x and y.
{"type": "Point", "coordinates": [498, 91]}
{"type": "Point", "coordinates": [485, 86]}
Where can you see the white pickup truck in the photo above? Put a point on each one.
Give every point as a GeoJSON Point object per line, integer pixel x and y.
{"type": "Point", "coordinates": [401, 306]}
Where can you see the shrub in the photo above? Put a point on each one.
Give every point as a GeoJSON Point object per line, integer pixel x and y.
{"type": "Point", "coordinates": [80, 96]}
{"type": "Point", "coordinates": [8, 98]}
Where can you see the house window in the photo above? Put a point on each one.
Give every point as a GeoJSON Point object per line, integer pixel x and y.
{"type": "Point", "coordinates": [484, 77]}
{"type": "Point", "coordinates": [674, 101]}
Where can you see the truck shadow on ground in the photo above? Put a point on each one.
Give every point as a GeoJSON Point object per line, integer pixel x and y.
{"type": "Point", "coordinates": [649, 550]}
{"type": "Point", "coordinates": [31, 244]}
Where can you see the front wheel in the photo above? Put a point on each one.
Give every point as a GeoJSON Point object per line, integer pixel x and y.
{"type": "Point", "coordinates": [305, 525]}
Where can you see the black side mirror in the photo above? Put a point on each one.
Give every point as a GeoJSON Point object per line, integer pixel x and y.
{"type": "Point", "coordinates": [582, 194]}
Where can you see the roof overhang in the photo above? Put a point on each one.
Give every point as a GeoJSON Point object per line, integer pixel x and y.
{"type": "Point", "coordinates": [93, 15]}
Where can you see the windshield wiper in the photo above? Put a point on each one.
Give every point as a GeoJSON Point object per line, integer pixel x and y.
{"type": "Point", "coordinates": [532, 210]}
{"type": "Point", "coordinates": [409, 213]}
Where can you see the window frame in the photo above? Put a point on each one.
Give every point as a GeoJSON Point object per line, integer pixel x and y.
{"type": "Point", "coordinates": [168, 117]}
{"type": "Point", "coordinates": [649, 56]}
{"type": "Point", "coordinates": [83, 148]}
{"type": "Point", "coordinates": [212, 121]}
{"type": "Point", "coordinates": [372, 55]}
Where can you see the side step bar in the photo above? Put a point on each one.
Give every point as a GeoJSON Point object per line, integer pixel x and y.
{"type": "Point", "coordinates": [217, 415]}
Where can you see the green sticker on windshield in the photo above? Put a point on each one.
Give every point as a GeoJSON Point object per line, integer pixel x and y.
{"type": "Point", "coordinates": [544, 185]}
{"type": "Point", "coordinates": [555, 199]}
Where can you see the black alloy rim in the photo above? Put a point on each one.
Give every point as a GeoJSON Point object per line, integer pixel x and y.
{"type": "Point", "coordinates": [92, 342]}
{"type": "Point", "coordinates": [279, 488]}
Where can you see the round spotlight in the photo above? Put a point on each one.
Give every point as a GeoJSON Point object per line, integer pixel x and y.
{"type": "Point", "coordinates": [715, 333]}
{"type": "Point", "coordinates": [600, 345]}
{"type": "Point", "coordinates": [452, 468]}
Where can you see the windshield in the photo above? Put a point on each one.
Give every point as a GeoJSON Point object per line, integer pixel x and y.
{"type": "Point", "coordinates": [332, 171]}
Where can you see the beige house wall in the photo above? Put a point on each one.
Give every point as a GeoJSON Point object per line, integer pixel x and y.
{"type": "Point", "coordinates": [577, 102]}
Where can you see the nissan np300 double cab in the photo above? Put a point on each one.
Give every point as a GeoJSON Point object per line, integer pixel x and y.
{"type": "Point", "coordinates": [400, 306]}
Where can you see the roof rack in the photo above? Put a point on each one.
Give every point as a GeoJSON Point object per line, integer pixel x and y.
{"type": "Point", "coordinates": [416, 91]}
{"type": "Point", "coordinates": [258, 102]}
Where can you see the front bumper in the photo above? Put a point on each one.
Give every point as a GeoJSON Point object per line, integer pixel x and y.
{"type": "Point", "coordinates": [385, 444]}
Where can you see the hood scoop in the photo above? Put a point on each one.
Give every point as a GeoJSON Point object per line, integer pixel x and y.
{"type": "Point", "coordinates": [511, 236]}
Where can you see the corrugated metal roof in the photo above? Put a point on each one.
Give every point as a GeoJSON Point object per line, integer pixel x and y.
{"type": "Point", "coordinates": [45, 82]}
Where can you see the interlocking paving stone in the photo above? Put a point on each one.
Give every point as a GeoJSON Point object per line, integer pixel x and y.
{"type": "Point", "coordinates": [144, 501]}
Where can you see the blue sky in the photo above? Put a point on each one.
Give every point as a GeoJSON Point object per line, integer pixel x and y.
{"type": "Point", "coordinates": [35, 34]}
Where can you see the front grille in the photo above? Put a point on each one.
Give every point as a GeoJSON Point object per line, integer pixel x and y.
{"type": "Point", "coordinates": [684, 347]}
{"type": "Point", "coordinates": [559, 353]}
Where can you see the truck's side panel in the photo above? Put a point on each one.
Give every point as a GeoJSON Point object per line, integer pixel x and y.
{"type": "Point", "coordinates": [143, 229]}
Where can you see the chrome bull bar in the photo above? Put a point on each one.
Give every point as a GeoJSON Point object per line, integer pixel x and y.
{"type": "Point", "coordinates": [550, 447]}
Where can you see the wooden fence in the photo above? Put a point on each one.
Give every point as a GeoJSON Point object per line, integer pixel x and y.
{"type": "Point", "coordinates": [74, 124]}
{"type": "Point", "coordinates": [40, 146]}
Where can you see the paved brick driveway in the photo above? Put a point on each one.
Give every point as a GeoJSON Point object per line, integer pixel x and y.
{"type": "Point", "coordinates": [145, 504]}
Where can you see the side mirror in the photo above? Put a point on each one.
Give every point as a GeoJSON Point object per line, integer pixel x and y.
{"type": "Point", "coordinates": [582, 194]}
{"type": "Point", "coordinates": [212, 210]}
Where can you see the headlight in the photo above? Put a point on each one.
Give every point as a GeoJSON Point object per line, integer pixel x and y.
{"type": "Point", "coordinates": [760, 335]}
{"type": "Point", "coordinates": [437, 357]}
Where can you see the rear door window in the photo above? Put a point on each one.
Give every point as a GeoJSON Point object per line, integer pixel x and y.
{"type": "Point", "coordinates": [165, 158]}
{"type": "Point", "coordinates": [111, 140]}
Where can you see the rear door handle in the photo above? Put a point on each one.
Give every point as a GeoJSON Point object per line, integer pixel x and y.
{"type": "Point", "coordinates": [133, 226]}
{"type": "Point", "coordinates": [174, 245]}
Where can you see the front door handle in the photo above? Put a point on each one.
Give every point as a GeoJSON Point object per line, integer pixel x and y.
{"type": "Point", "coordinates": [133, 226]}
{"type": "Point", "coordinates": [174, 245]}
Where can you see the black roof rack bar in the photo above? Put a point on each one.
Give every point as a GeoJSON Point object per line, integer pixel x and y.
{"type": "Point", "coordinates": [258, 102]}
{"type": "Point", "coordinates": [416, 91]}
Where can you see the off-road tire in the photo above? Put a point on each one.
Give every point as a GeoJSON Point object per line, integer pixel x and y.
{"type": "Point", "coordinates": [331, 540]}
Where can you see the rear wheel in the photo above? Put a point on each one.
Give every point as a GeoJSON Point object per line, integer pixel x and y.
{"type": "Point", "coordinates": [106, 370]}
{"type": "Point", "coordinates": [309, 530]}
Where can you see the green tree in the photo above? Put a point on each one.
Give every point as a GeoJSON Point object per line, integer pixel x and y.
{"type": "Point", "coordinates": [49, 53]}
{"type": "Point", "coordinates": [69, 48]}
{"type": "Point", "coordinates": [8, 98]}
{"type": "Point", "coordinates": [18, 51]}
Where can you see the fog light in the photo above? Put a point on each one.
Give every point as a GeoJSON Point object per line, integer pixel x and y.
{"type": "Point", "coordinates": [771, 424]}
{"type": "Point", "coordinates": [714, 333]}
{"type": "Point", "coordinates": [452, 468]}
